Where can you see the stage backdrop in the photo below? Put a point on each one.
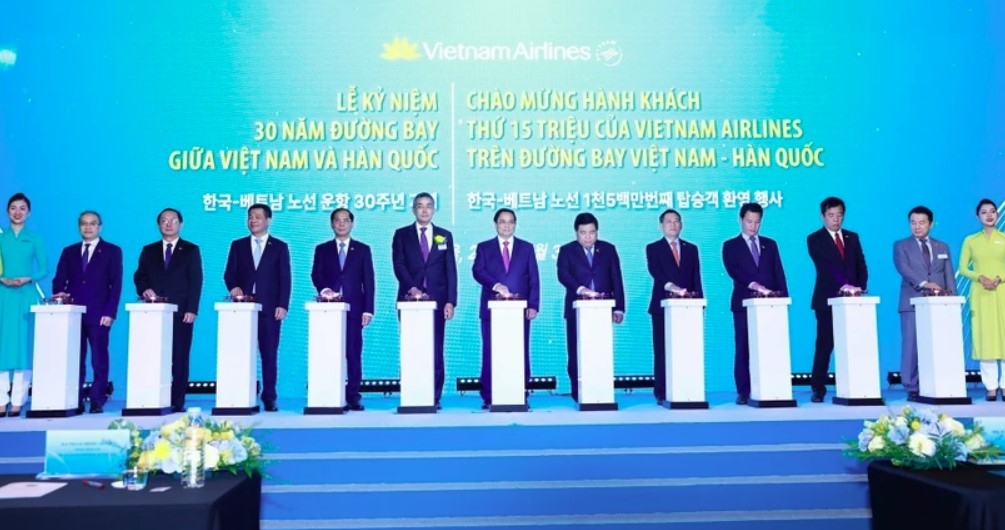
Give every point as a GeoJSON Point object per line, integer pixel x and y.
{"type": "Point", "coordinates": [549, 108]}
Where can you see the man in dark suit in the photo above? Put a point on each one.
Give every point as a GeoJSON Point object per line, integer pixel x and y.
{"type": "Point", "coordinates": [172, 268]}
{"type": "Point", "coordinates": [587, 267]}
{"type": "Point", "coordinates": [673, 263]}
{"type": "Point", "coordinates": [91, 273]}
{"type": "Point", "coordinates": [259, 265]}
{"type": "Point", "coordinates": [840, 263]}
{"type": "Point", "coordinates": [924, 264]}
{"type": "Point", "coordinates": [424, 262]}
{"type": "Point", "coordinates": [344, 265]}
{"type": "Point", "coordinates": [504, 266]}
{"type": "Point", "coordinates": [754, 264]}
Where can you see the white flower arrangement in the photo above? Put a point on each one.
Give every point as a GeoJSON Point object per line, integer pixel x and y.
{"type": "Point", "coordinates": [228, 447]}
{"type": "Point", "coordinates": [921, 439]}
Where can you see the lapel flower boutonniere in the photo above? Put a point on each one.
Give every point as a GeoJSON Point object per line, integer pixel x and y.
{"type": "Point", "coordinates": [439, 239]}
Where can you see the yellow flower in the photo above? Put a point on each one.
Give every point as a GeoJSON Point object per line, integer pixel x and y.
{"type": "Point", "coordinates": [439, 240]}
{"type": "Point", "coordinates": [162, 449]}
{"type": "Point", "coordinates": [915, 425]}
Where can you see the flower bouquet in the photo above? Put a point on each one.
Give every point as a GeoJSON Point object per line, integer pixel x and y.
{"type": "Point", "coordinates": [921, 439]}
{"type": "Point", "coordinates": [228, 447]}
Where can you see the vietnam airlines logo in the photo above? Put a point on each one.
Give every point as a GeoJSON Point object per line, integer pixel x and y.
{"type": "Point", "coordinates": [400, 50]}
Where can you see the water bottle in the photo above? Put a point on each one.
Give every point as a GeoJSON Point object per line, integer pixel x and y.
{"type": "Point", "coordinates": [193, 473]}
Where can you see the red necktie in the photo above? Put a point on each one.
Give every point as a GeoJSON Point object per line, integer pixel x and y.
{"type": "Point", "coordinates": [837, 240]}
{"type": "Point", "coordinates": [676, 253]}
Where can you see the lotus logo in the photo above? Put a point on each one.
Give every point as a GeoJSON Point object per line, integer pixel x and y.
{"type": "Point", "coordinates": [400, 50]}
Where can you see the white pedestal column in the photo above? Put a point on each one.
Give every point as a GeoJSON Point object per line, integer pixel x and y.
{"type": "Point", "coordinates": [326, 364]}
{"type": "Point", "coordinates": [418, 392]}
{"type": "Point", "coordinates": [770, 362]}
{"type": "Point", "coordinates": [856, 350]}
{"type": "Point", "coordinates": [56, 376]}
{"type": "Point", "coordinates": [508, 384]}
{"type": "Point", "coordinates": [148, 384]}
{"type": "Point", "coordinates": [236, 353]}
{"type": "Point", "coordinates": [595, 354]}
{"type": "Point", "coordinates": [941, 373]}
{"type": "Point", "coordinates": [684, 329]}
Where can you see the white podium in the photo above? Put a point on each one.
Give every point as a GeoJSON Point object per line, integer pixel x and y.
{"type": "Point", "coordinates": [508, 384]}
{"type": "Point", "coordinates": [856, 350]}
{"type": "Point", "coordinates": [148, 374]}
{"type": "Point", "coordinates": [326, 365]}
{"type": "Point", "coordinates": [595, 354]}
{"type": "Point", "coordinates": [684, 329]}
{"type": "Point", "coordinates": [770, 363]}
{"type": "Point", "coordinates": [941, 373]}
{"type": "Point", "coordinates": [55, 382]}
{"type": "Point", "coordinates": [418, 392]}
{"type": "Point", "coordinates": [236, 354]}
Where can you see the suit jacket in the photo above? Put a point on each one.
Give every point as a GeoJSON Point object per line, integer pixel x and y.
{"type": "Point", "coordinates": [913, 268]}
{"type": "Point", "coordinates": [100, 287]}
{"type": "Point", "coordinates": [574, 271]}
{"type": "Point", "coordinates": [663, 268]}
{"type": "Point", "coordinates": [272, 279]}
{"type": "Point", "coordinates": [833, 271]}
{"type": "Point", "coordinates": [522, 277]}
{"type": "Point", "coordinates": [438, 273]}
{"type": "Point", "coordinates": [741, 268]}
{"type": "Point", "coordinates": [181, 282]}
{"type": "Point", "coordinates": [355, 280]}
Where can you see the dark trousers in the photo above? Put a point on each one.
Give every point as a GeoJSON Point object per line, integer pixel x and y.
{"type": "Point", "coordinates": [353, 356]}
{"type": "Point", "coordinates": [268, 350]}
{"type": "Point", "coordinates": [571, 343]}
{"type": "Point", "coordinates": [438, 331]}
{"type": "Point", "coordinates": [659, 356]}
{"type": "Point", "coordinates": [97, 336]}
{"type": "Point", "coordinates": [180, 349]}
{"type": "Point", "coordinates": [741, 362]}
{"type": "Point", "coordinates": [824, 347]}
{"type": "Point", "coordinates": [486, 377]}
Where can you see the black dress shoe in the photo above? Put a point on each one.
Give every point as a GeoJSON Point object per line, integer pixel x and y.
{"type": "Point", "coordinates": [438, 406]}
{"type": "Point", "coordinates": [742, 399]}
{"type": "Point", "coordinates": [97, 409]}
{"type": "Point", "coordinates": [912, 396]}
{"type": "Point", "coordinates": [660, 402]}
{"type": "Point", "coordinates": [177, 409]}
{"type": "Point", "coordinates": [485, 405]}
{"type": "Point", "coordinates": [818, 397]}
{"type": "Point", "coordinates": [357, 406]}
{"type": "Point", "coordinates": [270, 406]}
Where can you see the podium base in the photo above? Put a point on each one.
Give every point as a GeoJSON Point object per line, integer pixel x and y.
{"type": "Point", "coordinates": [235, 411]}
{"type": "Point", "coordinates": [509, 408]}
{"type": "Point", "coordinates": [944, 400]}
{"type": "Point", "coordinates": [431, 409]}
{"type": "Point", "coordinates": [323, 410]}
{"type": "Point", "coordinates": [590, 407]}
{"type": "Point", "coordinates": [685, 405]}
{"type": "Point", "coordinates": [148, 411]}
{"type": "Point", "coordinates": [857, 402]}
{"type": "Point", "coordinates": [57, 413]}
{"type": "Point", "coordinates": [771, 403]}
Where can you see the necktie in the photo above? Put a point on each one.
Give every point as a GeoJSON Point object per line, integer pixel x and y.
{"type": "Point", "coordinates": [755, 251]}
{"type": "Point", "coordinates": [258, 252]}
{"type": "Point", "coordinates": [341, 255]}
{"type": "Point", "coordinates": [506, 255]}
{"type": "Point", "coordinates": [423, 244]}
{"type": "Point", "coordinates": [676, 253]}
{"type": "Point", "coordinates": [926, 252]}
{"type": "Point", "coordinates": [840, 245]}
{"type": "Point", "coordinates": [85, 257]}
{"type": "Point", "coordinates": [167, 256]}
{"type": "Point", "coordinates": [589, 259]}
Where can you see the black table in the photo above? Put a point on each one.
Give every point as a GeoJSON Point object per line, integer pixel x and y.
{"type": "Point", "coordinates": [227, 502]}
{"type": "Point", "coordinates": [970, 497]}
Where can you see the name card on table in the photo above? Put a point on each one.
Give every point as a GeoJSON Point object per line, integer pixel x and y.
{"type": "Point", "coordinates": [77, 454]}
{"type": "Point", "coordinates": [994, 434]}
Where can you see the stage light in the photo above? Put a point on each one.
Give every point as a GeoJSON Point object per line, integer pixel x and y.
{"type": "Point", "coordinates": [631, 382]}
{"type": "Point", "coordinates": [806, 379]}
{"type": "Point", "coordinates": [380, 386]}
{"type": "Point", "coordinates": [472, 384]}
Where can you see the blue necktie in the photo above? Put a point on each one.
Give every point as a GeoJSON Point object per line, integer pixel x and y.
{"type": "Point", "coordinates": [589, 259]}
{"type": "Point", "coordinates": [755, 252]}
{"type": "Point", "coordinates": [85, 257]}
{"type": "Point", "coordinates": [341, 255]}
{"type": "Point", "coordinates": [258, 252]}
{"type": "Point", "coordinates": [167, 256]}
